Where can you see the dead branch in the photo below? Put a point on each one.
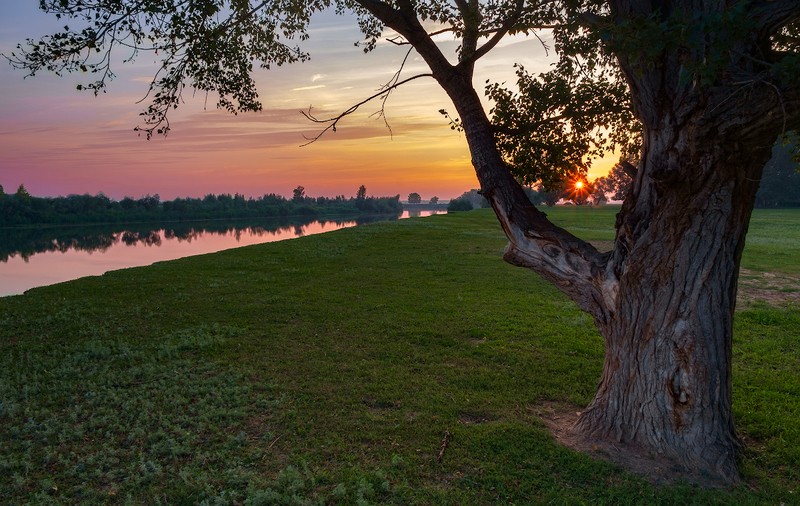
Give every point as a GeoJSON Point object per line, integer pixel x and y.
{"type": "Point", "coordinates": [383, 93]}
{"type": "Point", "coordinates": [443, 446]}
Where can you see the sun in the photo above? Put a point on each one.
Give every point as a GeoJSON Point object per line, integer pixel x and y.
{"type": "Point", "coordinates": [578, 190]}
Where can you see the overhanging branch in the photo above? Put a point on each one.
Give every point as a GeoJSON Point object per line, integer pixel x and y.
{"type": "Point", "coordinates": [501, 32]}
{"type": "Point", "coordinates": [334, 121]}
{"type": "Point", "coordinates": [570, 263]}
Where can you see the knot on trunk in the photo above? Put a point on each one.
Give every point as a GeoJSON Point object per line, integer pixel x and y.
{"type": "Point", "coordinates": [679, 384]}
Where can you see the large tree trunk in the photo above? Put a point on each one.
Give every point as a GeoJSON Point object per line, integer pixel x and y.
{"type": "Point", "coordinates": [666, 384]}
{"type": "Point", "coordinates": [663, 299]}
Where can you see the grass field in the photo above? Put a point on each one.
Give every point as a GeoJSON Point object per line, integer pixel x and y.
{"type": "Point", "coordinates": [395, 363]}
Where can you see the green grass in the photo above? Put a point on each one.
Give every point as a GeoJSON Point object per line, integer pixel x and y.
{"type": "Point", "coordinates": [326, 370]}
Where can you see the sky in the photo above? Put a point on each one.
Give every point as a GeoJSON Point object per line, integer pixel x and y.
{"type": "Point", "coordinates": [58, 141]}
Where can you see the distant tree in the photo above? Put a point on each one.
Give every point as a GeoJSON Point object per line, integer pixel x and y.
{"type": "Point", "coordinates": [474, 196]}
{"type": "Point", "coordinates": [550, 197]}
{"type": "Point", "coordinates": [459, 204]}
{"type": "Point", "coordinates": [149, 203]}
{"type": "Point", "coordinates": [414, 198]}
{"type": "Point", "coordinates": [616, 184]}
{"type": "Point", "coordinates": [780, 182]}
{"type": "Point", "coordinates": [598, 197]}
{"type": "Point", "coordinates": [362, 203]}
{"type": "Point", "coordinates": [434, 200]}
{"type": "Point", "coordinates": [127, 203]}
{"type": "Point", "coordinates": [22, 194]}
{"type": "Point", "coordinates": [2, 192]}
{"type": "Point", "coordinates": [298, 194]}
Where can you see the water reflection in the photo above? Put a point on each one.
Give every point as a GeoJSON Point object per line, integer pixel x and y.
{"type": "Point", "coordinates": [39, 257]}
{"type": "Point", "coordinates": [26, 243]}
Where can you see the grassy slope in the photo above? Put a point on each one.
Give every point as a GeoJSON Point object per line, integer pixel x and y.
{"type": "Point", "coordinates": [329, 368]}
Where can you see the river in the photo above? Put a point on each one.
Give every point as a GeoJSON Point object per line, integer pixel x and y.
{"type": "Point", "coordinates": [38, 257]}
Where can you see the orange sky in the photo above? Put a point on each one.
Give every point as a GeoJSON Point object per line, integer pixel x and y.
{"type": "Point", "coordinates": [57, 141]}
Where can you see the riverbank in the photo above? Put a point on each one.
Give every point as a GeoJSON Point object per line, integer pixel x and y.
{"type": "Point", "coordinates": [31, 257]}
{"type": "Point", "coordinates": [396, 363]}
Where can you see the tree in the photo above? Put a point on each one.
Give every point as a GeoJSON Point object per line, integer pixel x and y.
{"type": "Point", "coordinates": [475, 198]}
{"type": "Point", "coordinates": [149, 203]}
{"type": "Point", "coordinates": [414, 198]}
{"type": "Point", "coordinates": [127, 203]}
{"type": "Point", "coordinates": [459, 204]}
{"type": "Point", "coordinates": [599, 196]}
{"type": "Point", "coordinates": [780, 183]}
{"type": "Point", "coordinates": [362, 204]}
{"type": "Point", "coordinates": [616, 183]}
{"type": "Point", "coordinates": [22, 194]}
{"type": "Point", "coordinates": [705, 86]}
{"type": "Point", "coordinates": [434, 200]}
{"type": "Point", "coordinates": [550, 197]}
{"type": "Point", "coordinates": [298, 194]}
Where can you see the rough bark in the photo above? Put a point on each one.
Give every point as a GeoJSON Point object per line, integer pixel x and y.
{"type": "Point", "coordinates": [666, 383]}
{"type": "Point", "coordinates": [665, 391]}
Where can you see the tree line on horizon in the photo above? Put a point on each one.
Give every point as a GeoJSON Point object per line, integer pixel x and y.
{"type": "Point", "coordinates": [22, 208]}
{"type": "Point", "coordinates": [779, 187]}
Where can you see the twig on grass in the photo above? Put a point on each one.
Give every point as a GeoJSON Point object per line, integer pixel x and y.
{"type": "Point", "coordinates": [273, 443]}
{"type": "Point", "coordinates": [443, 446]}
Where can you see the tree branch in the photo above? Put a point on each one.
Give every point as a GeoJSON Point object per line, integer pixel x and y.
{"type": "Point", "coordinates": [501, 32]}
{"type": "Point", "coordinates": [629, 168]}
{"type": "Point", "coordinates": [470, 13]}
{"type": "Point", "coordinates": [332, 122]}
{"type": "Point", "coordinates": [482, 33]}
{"type": "Point", "coordinates": [570, 263]}
{"type": "Point", "coordinates": [405, 22]}
{"type": "Point", "coordinates": [398, 41]}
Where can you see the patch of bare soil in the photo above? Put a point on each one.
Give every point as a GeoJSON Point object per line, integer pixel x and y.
{"type": "Point", "coordinates": [773, 288]}
{"type": "Point", "coordinates": [561, 418]}
{"type": "Point", "coordinates": [468, 418]}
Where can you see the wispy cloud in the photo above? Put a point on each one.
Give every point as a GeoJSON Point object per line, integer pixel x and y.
{"type": "Point", "coordinates": [305, 88]}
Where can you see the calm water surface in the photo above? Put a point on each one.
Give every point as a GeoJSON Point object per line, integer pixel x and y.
{"type": "Point", "coordinates": [31, 258]}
